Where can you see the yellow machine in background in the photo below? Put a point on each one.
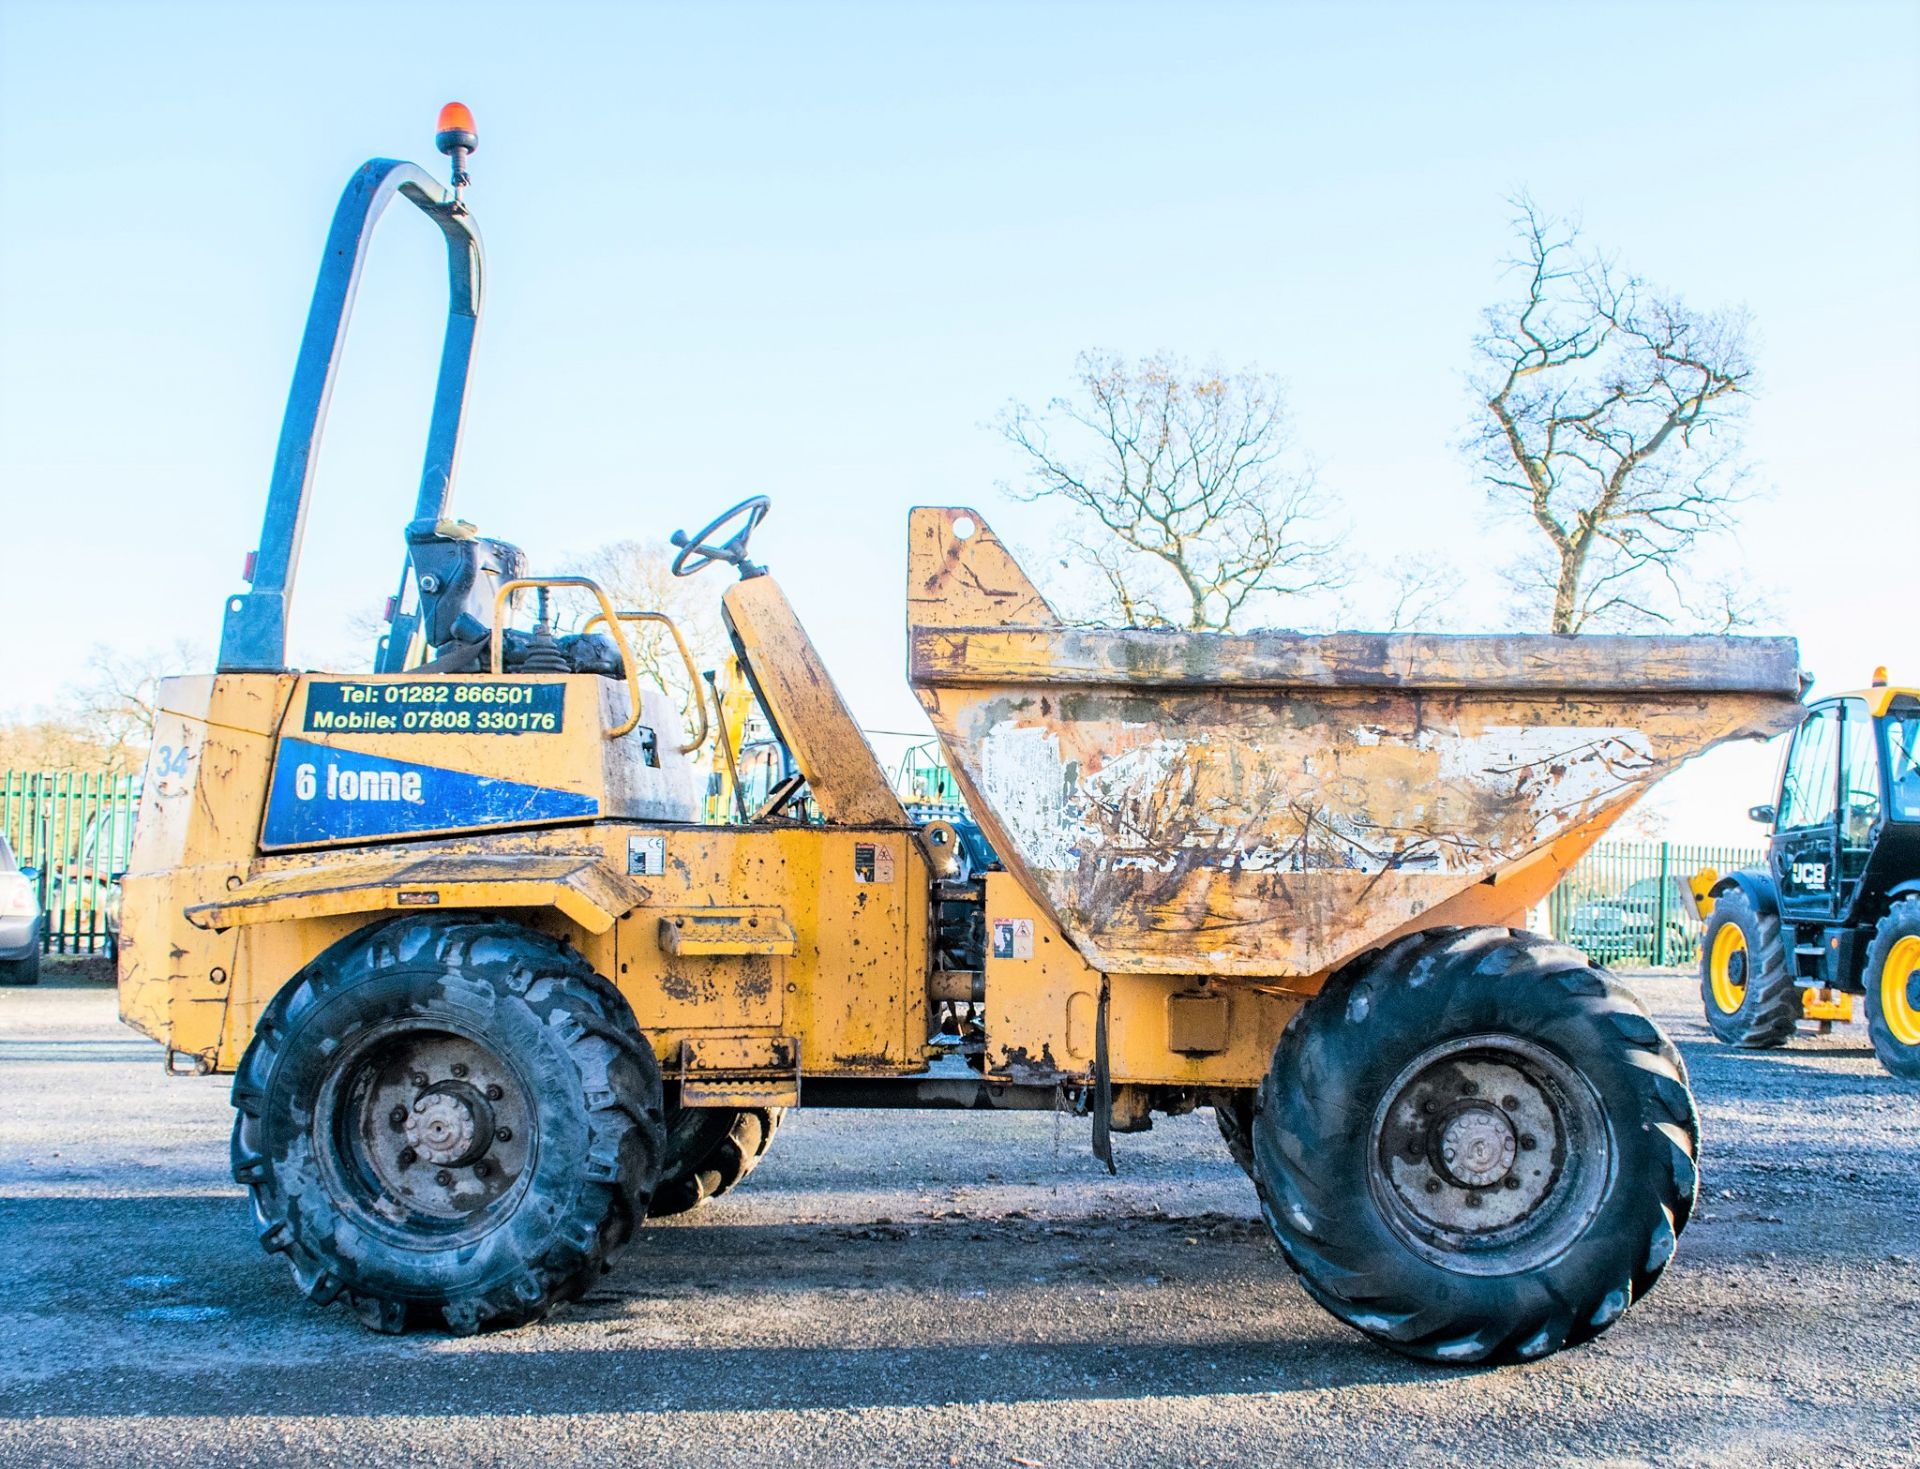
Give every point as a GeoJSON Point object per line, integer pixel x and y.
{"type": "Point", "coordinates": [496, 981]}
{"type": "Point", "coordinates": [1834, 911]}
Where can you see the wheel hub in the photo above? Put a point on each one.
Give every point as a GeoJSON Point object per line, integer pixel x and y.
{"type": "Point", "coordinates": [1900, 991]}
{"type": "Point", "coordinates": [1477, 1147]}
{"type": "Point", "coordinates": [432, 1125]}
{"type": "Point", "coordinates": [1489, 1154]}
{"type": "Point", "coordinates": [451, 1125]}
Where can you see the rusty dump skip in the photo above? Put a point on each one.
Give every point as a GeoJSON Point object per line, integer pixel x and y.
{"type": "Point", "coordinates": [1270, 805]}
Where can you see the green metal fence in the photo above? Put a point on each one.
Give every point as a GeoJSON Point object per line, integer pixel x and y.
{"type": "Point", "coordinates": [76, 826]}
{"type": "Point", "coordinates": [1627, 903]}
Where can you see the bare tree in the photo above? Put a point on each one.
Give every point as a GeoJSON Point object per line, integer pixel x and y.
{"type": "Point", "coordinates": [62, 743]}
{"type": "Point", "coordinates": [1612, 419]}
{"type": "Point", "coordinates": [1196, 509]}
{"type": "Point", "coordinates": [637, 577]}
{"type": "Point", "coordinates": [117, 703]}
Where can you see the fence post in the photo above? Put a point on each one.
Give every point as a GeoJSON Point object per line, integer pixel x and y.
{"type": "Point", "coordinates": [1660, 912]}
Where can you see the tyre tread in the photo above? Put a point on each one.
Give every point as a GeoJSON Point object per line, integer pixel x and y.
{"type": "Point", "coordinates": [1309, 1207]}
{"type": "Point", "coordinates": [591, 1020]}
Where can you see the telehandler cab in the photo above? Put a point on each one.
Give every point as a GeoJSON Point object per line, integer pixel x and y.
{"type": "Point", "coordinates": [492, 991]}
{"type": "Point", "coordinates": [1836, 912]}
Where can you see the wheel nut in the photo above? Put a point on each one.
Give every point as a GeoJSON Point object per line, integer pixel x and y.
{"type": "Point", "coordinates": [1509, 1102]}
{"type": "Point", "coordinates": [495, 1092]}
{"type": "Point", "coordinates": [1512, 1182]}
{"type": "Point", "coordinates": [418, 1078]}
{"type": "Point", "coordinates": [1473, 1201]}
{"type": "Point", "coordinates": [1469, 1088]}
{"type": "Point", "coordinates": [443, 1178]}
{"type": "Point", "coordinates": [505, 1134]}
{"type": "Point", "coordinates": [1433, 1185]}
{"type": "Point", "coordinates": [408, 1157]}
{"type": "Point", "coordinates": [482, 1169]}
{"type": "Point", "coordinates": [459, 1068]}
{"type": "Point", "coordinates": [398, 1116]}
{"type": "Point", "coordinates": [1527, 1143]}
{"type": "Point", "coordinates": [1427, 1106]}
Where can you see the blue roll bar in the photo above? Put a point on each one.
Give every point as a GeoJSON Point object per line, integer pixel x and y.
{"type": "Point", "coordinates": [253, 636]}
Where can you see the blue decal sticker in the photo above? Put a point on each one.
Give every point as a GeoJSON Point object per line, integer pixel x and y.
{"type": "Point", "coordinates": [326, 795]}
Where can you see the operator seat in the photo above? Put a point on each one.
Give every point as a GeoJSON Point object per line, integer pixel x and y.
{"type": "Point", "coordinates": [459, 573]}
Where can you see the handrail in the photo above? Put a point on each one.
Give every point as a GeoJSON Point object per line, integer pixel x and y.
{"type": "Point", "coordinates": [631, 614]}
{"type": "Point", "coordinates": [254, 632]}
{"type": "Point", "coordinates": [627, 665]}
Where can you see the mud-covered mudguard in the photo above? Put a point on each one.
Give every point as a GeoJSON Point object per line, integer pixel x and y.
{"type": "Point", "coordinates": [1757, 887]}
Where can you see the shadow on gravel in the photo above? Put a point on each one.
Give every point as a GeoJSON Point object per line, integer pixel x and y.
{"type": "Point", "coordinates": [67, 972]}
{"type": "Point", "coordinates": [615, 1379]}
{"type": "Point", "coordinates": [211, 1327]}
{"type": "Point", "coordinates": [62, 1049]}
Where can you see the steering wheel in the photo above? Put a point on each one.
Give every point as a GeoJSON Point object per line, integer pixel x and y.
{"type": "Point", "coordinates": [697, 552]}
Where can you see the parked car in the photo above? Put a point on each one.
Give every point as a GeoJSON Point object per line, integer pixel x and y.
{"type": "Point", "coordinates": [1624, 926]}
{"type": "Point", "coordinates": [19, 920]}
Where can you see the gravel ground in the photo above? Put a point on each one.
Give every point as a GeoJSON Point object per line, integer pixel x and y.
{"type": "Point", "coordinates": [901, 1289]}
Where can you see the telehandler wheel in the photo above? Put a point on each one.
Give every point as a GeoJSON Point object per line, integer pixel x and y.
{"type": "Point", "coordinates": [1233, 1111]}
{"type": "Point", "coordinates": [447, 1117]}
{"type": "Point", "coordinates": [1474, 1146]}
{"type": "Point", "coordinates": [1892, 978]}
{"type": "Point", "coordinates": [1745, 985]}
{"type": "Point", "coordinates": [709, 1150]}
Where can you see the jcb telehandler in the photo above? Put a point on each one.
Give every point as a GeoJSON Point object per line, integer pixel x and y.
{"type": "Point", "coordinates": [491, 991]}
{"type": "Point", "coordinates": [1836, 912]}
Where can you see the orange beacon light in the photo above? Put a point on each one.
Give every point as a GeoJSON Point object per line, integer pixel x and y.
{"type": "Point", "coordinates": [456, 136]}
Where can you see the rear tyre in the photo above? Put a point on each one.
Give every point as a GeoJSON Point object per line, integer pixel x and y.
{"type": "Point", "coordinates": [22, 971]}
{"type": "Point", "coordinates": [1746, 986]}
{"type": "Point", "coordinates": [1233, 1111]}
{"type": "Point", "coordinates": [1892, 980]}
{"type": "Point", "coordinates": [1474, 1146]}
{"type": "Point", "coordinates": [447, 1121]}
{"type": "Point", "coordinates": [708, 1151]}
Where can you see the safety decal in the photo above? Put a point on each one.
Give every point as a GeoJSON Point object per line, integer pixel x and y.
{"type": "Point", "coordinates": [872, 862]}
{"type": "Point", "coordinates": [646, 856]}
{"type": "Point", "coordinates": [1013, 938]}
{"type": "Point", "coordinates": [437, 706]}
{"type": "Point", "coordinates": [326, 795]}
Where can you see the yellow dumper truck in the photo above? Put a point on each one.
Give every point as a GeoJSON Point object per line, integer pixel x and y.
{"type": "Point", "coordinates": [492, 991]}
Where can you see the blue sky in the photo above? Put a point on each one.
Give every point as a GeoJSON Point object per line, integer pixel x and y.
{"type": "Point", "coordinates": [810, 251]}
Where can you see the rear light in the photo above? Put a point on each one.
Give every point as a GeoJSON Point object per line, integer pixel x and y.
{"type": "Point", "coordinates": [16, 896]}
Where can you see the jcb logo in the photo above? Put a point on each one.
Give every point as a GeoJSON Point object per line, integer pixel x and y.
{"type": "Point", "coordinates": [1810, 875]}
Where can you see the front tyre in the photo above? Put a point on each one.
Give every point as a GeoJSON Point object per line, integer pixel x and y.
{"type": "Point", "coordinates": [447, 1121]}
{"type": "Point", "coordinates": [1746, 986]}
{"type": "Point", "coordinates": [1892, 981]}
{"type": "Point", "coordinates": [1475, 1146]}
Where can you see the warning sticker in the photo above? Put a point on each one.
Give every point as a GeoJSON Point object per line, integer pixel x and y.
{"type": "Point", "coordinates": [872, 862]}
{"type": "Point", "coordinates": [1013, 938]}
{"type": "Point", "coordinates": [646, 856]}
